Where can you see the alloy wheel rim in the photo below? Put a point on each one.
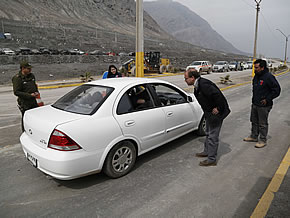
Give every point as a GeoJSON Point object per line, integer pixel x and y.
{"type": "Point", "coordinates": [122, 159]}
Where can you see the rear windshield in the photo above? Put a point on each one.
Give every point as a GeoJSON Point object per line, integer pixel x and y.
{"type": "Point", "coordinates": [85, 99]}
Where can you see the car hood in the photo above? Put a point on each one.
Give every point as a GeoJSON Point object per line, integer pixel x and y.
{"type": "Point", "coordinates": [40, 122]}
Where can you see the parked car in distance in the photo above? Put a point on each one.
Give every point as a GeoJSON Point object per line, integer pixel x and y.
{"type": "Point", "coordinates": [35, 52]}
{"type": "Point", "coordinates": [123, 54]}
{"type": "Point", "coordinates": [270, 63]}
{"type": "Point", "coordinates": [221, 66]}
{"type": "Point", "coordinates": [236, 65]}
{"type": "Point", "coordinates": [75, 51]}
{"type": "Point", "coordinates": [44, 50]}
{"type": "Point", "coordinates": [200, 66]}
{"type": "Point", "coordinates": [8, 51]}
{"type": "Point", "coordinates": [250, 64]}
{"type": "Point", "coordinates": [245, 65]}
{"type": "Point", "coordinates": [106, 124]}
{"type": "Point", "coordinates": [96, 52]}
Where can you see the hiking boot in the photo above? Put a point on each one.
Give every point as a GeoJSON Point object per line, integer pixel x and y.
{"type": "Point", "coordinates": [250, 139]}
{"type": "Point", "coordinates": [260, 144]}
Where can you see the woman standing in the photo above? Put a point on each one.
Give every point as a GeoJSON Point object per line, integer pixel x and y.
{"type": "Point", "coordinates": [113, 72]}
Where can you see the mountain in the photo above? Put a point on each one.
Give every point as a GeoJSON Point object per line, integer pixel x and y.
{"type": "Point", "coordinates": [93, 25]}
{"type": "Point", "coordinates": [187, 26]}
{"type": "Point", "coordinates": [112, 15]}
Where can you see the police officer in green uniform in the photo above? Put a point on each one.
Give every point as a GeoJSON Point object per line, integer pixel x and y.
{"type": "Point", "coordinates": [25, 88]}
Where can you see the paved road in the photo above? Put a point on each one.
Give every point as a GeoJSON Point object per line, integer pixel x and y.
{"type": "Point", "coordinates": [166, 182]}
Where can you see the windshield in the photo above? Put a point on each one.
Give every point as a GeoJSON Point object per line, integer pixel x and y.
{"type": "Point", "coordinates": [233, 62]}
{"type": "Point", "coordinates": [196, 63]}
{"type": "Point", "coordinates": [85, 99]}
{"type": "Point", "coordinates": [249, 62]}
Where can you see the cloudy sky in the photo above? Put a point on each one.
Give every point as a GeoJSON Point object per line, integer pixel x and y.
{"type": "Point", "coordinates": [235, 21]}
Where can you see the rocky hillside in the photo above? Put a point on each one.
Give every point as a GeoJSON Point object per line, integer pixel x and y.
{"type": "Point", "coordinates": [187, 26]}
{"type": "Point", "coordinates": [105, 25]}
{"type": "Point", "coordinates": [113, 15]}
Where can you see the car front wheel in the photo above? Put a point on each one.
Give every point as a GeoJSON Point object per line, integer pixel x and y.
{"type": "Point", "coordinates": [120, 160]}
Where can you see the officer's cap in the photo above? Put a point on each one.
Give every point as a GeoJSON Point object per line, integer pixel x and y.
{"type": "Point", "coordinates": [25, 64]}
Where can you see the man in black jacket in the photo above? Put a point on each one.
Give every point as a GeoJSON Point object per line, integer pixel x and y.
{"type": "Point", "coordinates": [265, 89]}
{"type": "Point", "coordinates": [216, 109]}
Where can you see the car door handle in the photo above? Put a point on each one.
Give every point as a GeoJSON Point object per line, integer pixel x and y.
{"type": "Point", "coordinates": [170, 113]}
{"type": "Point", "coordinates": [129, 123]}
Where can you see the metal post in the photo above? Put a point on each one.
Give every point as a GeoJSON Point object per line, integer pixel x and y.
{"type": "Point", "coordinates": [139, 58]}
{"type": "Point", "coordinates": [256, 35]}
{"type": "Point", "coordinates": [286, 50]}
{"type": "Point", "coordinates": [285, 59]}
{"type": "Point", "coordinates": [2, 26]}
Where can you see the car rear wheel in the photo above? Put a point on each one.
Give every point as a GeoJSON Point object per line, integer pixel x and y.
{"type": "Point", "coordinates": [120, 160]}
{"type": "Point", "coordinates": [201, 127]}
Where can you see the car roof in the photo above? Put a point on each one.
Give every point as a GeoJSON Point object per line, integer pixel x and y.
{"type": "Point", "coordinates": [121, 82]}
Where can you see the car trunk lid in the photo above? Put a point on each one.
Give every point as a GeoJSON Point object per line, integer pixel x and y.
{"type": "Point", "coordinates": [40, 122]}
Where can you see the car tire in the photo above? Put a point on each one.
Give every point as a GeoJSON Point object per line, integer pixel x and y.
{"type": "Point", "coordinates": [133, 71]}
{"type": "Point", "coordinates": [120, 160]}
{"type": "Point", "coordinates": [201, 127]}
{"type": "Point", "coordinates": [162, 69]}
{"type": "Point", "coordinates": [169, 68]}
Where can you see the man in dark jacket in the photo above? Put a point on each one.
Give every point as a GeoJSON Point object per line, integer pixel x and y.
{"type": "Point", "coordinates": [25, 88]}
{"type": "Point", "coordinates": [216, 109]}
{"type": "Point", "coordinates": [265, 89]}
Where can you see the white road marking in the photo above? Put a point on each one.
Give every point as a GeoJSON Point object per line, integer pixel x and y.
{"type": "Point", "coordinates": [8, 115]}
{"type": "Point", "coordinates": [12, 125]}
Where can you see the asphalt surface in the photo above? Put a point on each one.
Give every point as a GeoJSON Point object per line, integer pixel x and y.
{"type": "Point", "coordinates": [163, 182]}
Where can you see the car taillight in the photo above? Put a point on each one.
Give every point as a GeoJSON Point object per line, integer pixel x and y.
{"type": "Point", "coordinates": [60, 141]}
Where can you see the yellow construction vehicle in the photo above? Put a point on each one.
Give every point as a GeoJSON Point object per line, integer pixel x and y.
{"type": "Point", "coordinates": [152, 64]}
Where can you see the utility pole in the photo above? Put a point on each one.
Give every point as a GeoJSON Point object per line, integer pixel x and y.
{"type": "Point", "coordinates": [256, 34]}
{"type": "Point", "coordinates": [139, 56]}
{"type": "Point", "coordinates": [285, 60]}
{"type": "Point", "coordinates": [2, 26]}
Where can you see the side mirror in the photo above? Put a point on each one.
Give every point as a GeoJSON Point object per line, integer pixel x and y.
{"type": "Point", "coordinates": [189, 99]}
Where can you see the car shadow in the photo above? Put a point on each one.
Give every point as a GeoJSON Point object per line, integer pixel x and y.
{"type": "Point", "coordinates": [155, 153]}
{"type": "Point", "coordinates": [94, 179]}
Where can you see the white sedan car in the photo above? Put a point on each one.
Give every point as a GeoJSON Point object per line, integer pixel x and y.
{"type": "Point", "coordinates": [106, 124]}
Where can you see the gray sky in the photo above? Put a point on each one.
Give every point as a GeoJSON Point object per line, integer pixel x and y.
{"type": "Point", "coordinates": [235, 21]}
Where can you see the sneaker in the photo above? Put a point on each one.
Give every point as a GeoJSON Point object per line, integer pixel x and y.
{"type": "Point", "coordinates": [250, 139]}
{"type": "Point", "coordinates": [260, 144]}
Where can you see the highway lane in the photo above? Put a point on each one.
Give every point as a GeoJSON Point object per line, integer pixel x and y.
{"type": "Point", "coordinates": [166, 182]}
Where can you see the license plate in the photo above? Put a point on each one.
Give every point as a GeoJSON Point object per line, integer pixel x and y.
{"type": "Point", "coordinates": [32, 160]}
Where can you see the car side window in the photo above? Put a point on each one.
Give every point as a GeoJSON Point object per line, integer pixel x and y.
{"type": "Point", "coordinates": [135, 99]}
{"type": "Point", "coordinates": [167, 95]}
